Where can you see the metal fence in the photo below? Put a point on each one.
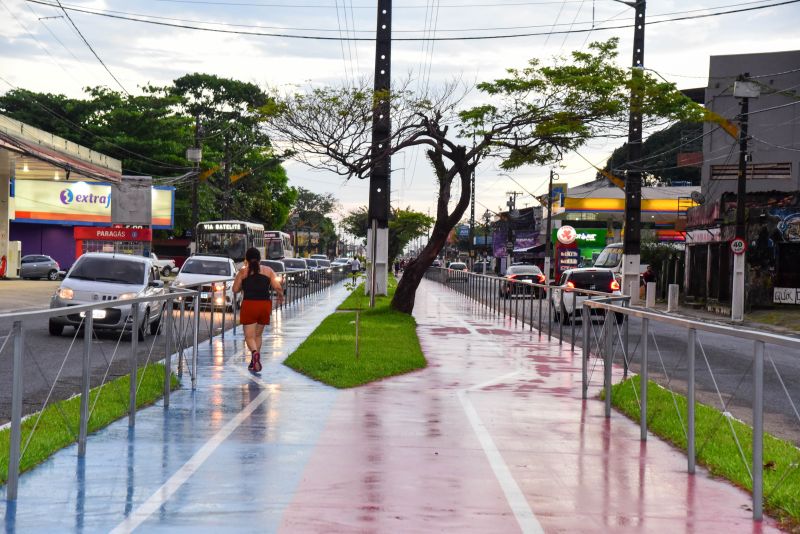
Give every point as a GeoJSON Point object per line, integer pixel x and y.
{"type": "Point", "coordinates": [711, 367]}
{"type": "Point", "coordinates": [187, 314]}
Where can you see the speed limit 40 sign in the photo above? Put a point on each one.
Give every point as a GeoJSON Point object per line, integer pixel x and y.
{"type": "Point", "coordinates": [738, 246]}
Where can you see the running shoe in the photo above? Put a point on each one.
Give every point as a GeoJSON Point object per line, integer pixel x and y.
{"type": "Point", "coordinates": [252, 361]}
{"type": "Point", "coordinates": [257, 362]}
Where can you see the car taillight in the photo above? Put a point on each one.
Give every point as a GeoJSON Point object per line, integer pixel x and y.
{"type": "Point", "coordinates": [511, 276]}
{"type": "Point", "coordinates": [614, 285]}
{"type": "Point", "coordinates": [570, 285]}
{"type": "Point", "coordinates": [58, 266]}
{"type": "Point", "coordinates": [541, 278]}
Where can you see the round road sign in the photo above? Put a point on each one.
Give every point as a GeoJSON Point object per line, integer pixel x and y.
{"type": "Point", "coordinates": [738, 246]}
{"type": "Point", "coordinates": [566, 235]}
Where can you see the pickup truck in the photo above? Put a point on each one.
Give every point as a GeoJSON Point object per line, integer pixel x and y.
{"type": "Point", "coordinates": [165, 266]}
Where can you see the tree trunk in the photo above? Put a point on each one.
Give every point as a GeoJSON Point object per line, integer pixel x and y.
{"type": "Point", "coordinates": [404, 296]}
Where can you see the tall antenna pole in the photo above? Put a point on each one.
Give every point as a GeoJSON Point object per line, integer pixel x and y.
{"type": "Point", "coordinates": [380, 177]}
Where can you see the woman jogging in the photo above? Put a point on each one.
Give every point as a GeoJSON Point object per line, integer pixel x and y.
{"type": "Point", "coordinates": [254, 280]}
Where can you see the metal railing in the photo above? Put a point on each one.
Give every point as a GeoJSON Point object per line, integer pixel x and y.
{"type": "Point", "coordinates": [187, 314]}
{"type": "Point", "coordinates": [605, 328]}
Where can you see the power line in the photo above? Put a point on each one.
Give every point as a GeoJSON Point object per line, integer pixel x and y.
{"type": "Point", "coordinates": [370, 39]}
{"type": "Point", "coordinates": [90, 48]}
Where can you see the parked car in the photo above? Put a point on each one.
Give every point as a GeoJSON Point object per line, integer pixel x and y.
{"type": "Point", "coordinates": [297, 271]}
{"type": "Point", "coordinates": [520, 279]}
{"type": "Point", "coordinates": [325, 268]}
{"type": "Point", "coordinates": [205, 270]}
{"type": "Point", "coordinates": [165, 265]}
{"type": "Point", "coordinates": [278, 267]}
{"type": "Point", "coordinates": [457, 272]}
{"type": "Point", "coordinates": [319, 257]}
{"type": "Point", "coordinates": [39, 266]}
{"type": "Point", "coordinates": [436, 263]}
{"type": "Point", "coordinates": [482, 267]}
{"type": "Point", "coordinates": [114, 277]}
{"type": "Point", "coordinates": [313, 269]}
{"type": "Point", "coordinates": [593, 279]}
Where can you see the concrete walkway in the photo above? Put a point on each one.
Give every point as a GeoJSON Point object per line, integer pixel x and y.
{"type": "Point", "coordinates": [491, 437]}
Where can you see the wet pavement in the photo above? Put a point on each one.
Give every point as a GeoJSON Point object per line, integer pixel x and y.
{"type": "Point", "coordinates": [491, 437]}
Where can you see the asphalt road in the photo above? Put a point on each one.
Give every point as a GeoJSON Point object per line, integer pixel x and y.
{"type": "Point", "coordinates": [730, 384]}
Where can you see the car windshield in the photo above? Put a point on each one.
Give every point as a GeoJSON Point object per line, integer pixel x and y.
{"type": "Point", "coordinates": [323, 263]}
{"type": "Point", "coordinates": [609, 258]}
{"type": "Point", "coordinates": [274, 265]}
{"type": "Point", "coordinates": [311, 262]}
{"type": "Point", "coordinates": [111, 270]}
{"type": "Point", "coordinates": [216, 268]}
{"type": "Point", "coordinates": [594, 280]}
{"type": "Point", "coordinates": [295, 264]}
{"type": "Point", "coordinates": [342, 260]}
{"type": "Point", "coordinates": [458, 266]}
{"type": "Point", "coordinates": [523, 269]}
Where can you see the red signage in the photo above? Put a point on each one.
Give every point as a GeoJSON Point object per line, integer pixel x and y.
{"type": "Point", "coordinates": [97, 233]}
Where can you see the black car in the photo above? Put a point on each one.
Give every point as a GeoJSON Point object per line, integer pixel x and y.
{"type": "Point", "coordinates": [519, 280]}
{"type": "Point", "coordinates": [296, 271]}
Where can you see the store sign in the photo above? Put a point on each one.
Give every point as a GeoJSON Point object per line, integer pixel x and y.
{"type": "Point", "coordinates": [79, 203]}
{"type": "Point", "coordinates": [95, 233]}
{"type": "Point", "coordinates": [786, 295]}
{"type": "Point", "coordinates": [566, 235]}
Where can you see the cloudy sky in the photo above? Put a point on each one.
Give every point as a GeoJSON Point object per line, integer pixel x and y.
{"type": "Point", "coordinates": [41, 51]}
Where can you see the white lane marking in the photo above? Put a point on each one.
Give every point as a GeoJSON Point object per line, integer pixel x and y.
{"type": "Point", "coordinates": [162, 494]}
{"type": "Point", "coordinates": [526, 519]}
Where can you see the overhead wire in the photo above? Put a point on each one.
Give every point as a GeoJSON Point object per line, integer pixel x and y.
{"type": "Point", "coordinates": [558, 16]}
{"type": "Point", "coordinates": [341, 43]}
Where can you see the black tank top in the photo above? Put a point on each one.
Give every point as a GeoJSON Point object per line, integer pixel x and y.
{"type": "Point", "coordinates": [256, 287]}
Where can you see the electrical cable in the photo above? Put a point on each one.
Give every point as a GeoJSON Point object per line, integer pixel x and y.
{"type": "Point", "coordinates": [371, 39]}
{"type": "Point", "coordinates": [558, 16]}
{"type": "Point", "coordinates": [91, 49]}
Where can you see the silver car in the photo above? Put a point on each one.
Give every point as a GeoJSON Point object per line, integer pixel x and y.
{"type": "Point", "coordinates": [39, 266]}
{"type": "Point", "coordinates": [98, 277]}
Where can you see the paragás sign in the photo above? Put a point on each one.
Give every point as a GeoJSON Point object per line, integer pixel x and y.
{"type": "Point", "coordinates": [566, 235]}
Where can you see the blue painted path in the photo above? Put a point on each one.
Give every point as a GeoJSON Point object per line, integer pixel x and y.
{"type": "Point", "coordinates": [209, 463]}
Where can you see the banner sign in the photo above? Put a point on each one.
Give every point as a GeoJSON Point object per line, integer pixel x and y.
{"type": "Point", "coordinates": [80, 203]}
{"type": "Point", "coordinates": [786, 295]}
{"type": "Point", "coordinates": [96, 233]}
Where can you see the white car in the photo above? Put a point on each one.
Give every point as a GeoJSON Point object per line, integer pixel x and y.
{"type": "Point", "coordinates": [96, 277]}
{"type": "Point", "coordinates": [164, 266]}
{"type": "Point", "coordinates": [564, 302]}
{"type": "Point", "coordinates": [207, 270]}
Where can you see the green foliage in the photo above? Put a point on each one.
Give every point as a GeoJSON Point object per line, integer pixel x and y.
{"type": "Point", "coordinates": [388, 346]}
{"type": "Point", "coordinates": [405, 225]}
{"type": "Point", "coordinates": [717, 449]}
{"type": "Point", "coordinates": [312, 211]}
{"type": "Point", "coordinates": [59, 423]}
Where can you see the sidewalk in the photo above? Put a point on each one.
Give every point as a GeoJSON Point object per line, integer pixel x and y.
{"type": "Point", "coordinates": [785, 321]}
{"type": "Point", "coordinates": [491, 437]}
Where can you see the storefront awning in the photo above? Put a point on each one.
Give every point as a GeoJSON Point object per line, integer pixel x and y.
{"type": "Point", "coordinates": [72, 158]}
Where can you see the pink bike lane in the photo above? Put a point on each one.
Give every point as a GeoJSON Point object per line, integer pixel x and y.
{"type": "Point", "coordinates": [493, 437]}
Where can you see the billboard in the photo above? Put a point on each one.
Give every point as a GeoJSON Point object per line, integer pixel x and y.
{"type": "Point", "coordinates": [81, 203]}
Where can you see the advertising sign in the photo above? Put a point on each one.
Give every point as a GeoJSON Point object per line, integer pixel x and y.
{"type": "Point", "coordinates": [567, 258]}
{"type": "Point", "coordinates": [80, 203]}
{"type": "Point", "coordinates": [588, 240]}
{"type": "Point", "coordinates": [786, 295]}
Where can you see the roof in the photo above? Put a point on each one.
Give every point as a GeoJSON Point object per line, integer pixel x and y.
{"type": "Point", "coordinates": [57, 151]}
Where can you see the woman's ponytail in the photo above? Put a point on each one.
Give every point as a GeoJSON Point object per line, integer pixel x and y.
{"type": "Point", "coordinates": [253, 257]}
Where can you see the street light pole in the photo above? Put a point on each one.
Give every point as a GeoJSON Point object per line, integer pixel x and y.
{"type": "Point", "coordinates": [549, 230]}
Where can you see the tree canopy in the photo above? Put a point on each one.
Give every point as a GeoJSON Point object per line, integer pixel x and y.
{"type": "Point", "coordinates": [531, 117]}
{"type": "Point", "coordinates": [405, 225]}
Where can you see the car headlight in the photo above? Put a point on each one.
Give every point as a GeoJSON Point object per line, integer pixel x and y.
{"type": "Point", "coordinates": [128, 296]}
{"type": "Point", "coordinates": [65, 293]}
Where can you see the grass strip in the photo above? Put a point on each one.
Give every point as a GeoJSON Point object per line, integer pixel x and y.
{"type": "Point", "coordinates": [716, 447]}
{"type": "Point", "coordinates": [388, 344]}
{"type": "Point", "coordinates": [56, 431]}
{"type": "Point", "coordinates": [357, 300]}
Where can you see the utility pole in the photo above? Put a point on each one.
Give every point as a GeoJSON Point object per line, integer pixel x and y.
{"type": "Point", "coordinates": [198, 132]}
{"type": "Point", "coordinates": [549, 230]}
{"type": "Point", "coordinates": [472, 218]}
{"type": "Point", "coordinates": [380, 177]}
{"type": "Point", "coordinates": [512, 207]}
{"type": "Point", "coordinates": [633, 180]}
{"type": "Point", "coordinates": [226, 202]}
{"type": "Point", "coordinates": [745, 90]}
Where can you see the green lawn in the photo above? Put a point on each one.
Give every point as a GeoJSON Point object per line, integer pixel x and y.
{"type": "Point", "coordinates": [59, 423]}
{"type": "Point", "coordinates": [388, 344]}
{"type": "Point", "coordinates": [357, 300]}
{"type": "Point", "coordinates": [716, 448]}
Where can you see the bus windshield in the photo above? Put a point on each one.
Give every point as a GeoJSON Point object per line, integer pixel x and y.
{"type": "Point", "coordinates": [609, 258]}
{"type": "Point", "coordinates": [275, 248]}
{"type": "Point", "coordinates": [230, 244]}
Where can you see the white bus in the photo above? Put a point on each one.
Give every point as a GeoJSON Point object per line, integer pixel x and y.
{"type": "Point", "coordinates": [278, 245]}
{"type": "Point", "coordinates": [229, 238]}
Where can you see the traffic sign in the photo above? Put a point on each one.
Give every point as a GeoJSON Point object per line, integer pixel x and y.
{"type": "Point", "coordinates": [738, 246]}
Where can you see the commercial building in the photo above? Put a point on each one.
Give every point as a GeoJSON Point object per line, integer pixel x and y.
{"type": "Point", "coordinates": [772, 178]}
{"type": "Point", "coordinates": [55, 199]}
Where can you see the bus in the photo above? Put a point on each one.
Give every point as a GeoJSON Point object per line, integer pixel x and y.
{"type": "Point", "coordinates": [278, 244]}
{"type": "Point", "coordinates": [229, 238]}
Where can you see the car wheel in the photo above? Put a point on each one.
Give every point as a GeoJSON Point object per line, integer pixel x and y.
{"type": "Point", "coordinates": [141, 331]}
{"type": "Point", "coordinates": [52, 275]}
{"type": "Point", "coordinates": [556, 317]}
{"type": "Point", "coordinates": [564, 316]}
{"type": "Point", "coordinates": [55, 329]}
{"type": "Point", "coordinates": [166, 271]}
{"type": "Point", "coordinates": [155, 324]}
{"type": "Point", "coordinates": [620, 317]}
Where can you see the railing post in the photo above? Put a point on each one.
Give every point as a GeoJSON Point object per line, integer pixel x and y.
{"type": "Point", "coordinates": [182, 334]}
{"type": "Point", "coordinates": [561, 320]}
{"type": "Point", "coordinates": [134, 364]}
{"type": "Point", "coordinates": [166, 329]}
{"type": "Point", "coordinates": [83, 429]}
{"type": "Point", "coordinates": [573, 321]}
{"type": "Point", "coordinates": [211, 320]}
{"type": "Point", "coordinates": [16, 413]}
{"type": "Point", "coordinates": [585, 318]}
{"type": "Point", "coordinates": [530, 308]}
{"type": "Point", "coordinates": [758, 431]}
{"type": "Point", "coordinates": [549, 312]}
{"type": "Point", "coordinates": [607, 359]}
{"type": "Point", "coordinates": [224, 311]}
{"type": "Point", "coordinates": [544, 293]}
{"type": "Point", "coordinates": [194, 338]}
{"type": "Point", "coordinates": [690, 399]}
{"type": "Point", "coordinates": [234, 310]}
{"type": "Point", "coordinates": [644, 376]}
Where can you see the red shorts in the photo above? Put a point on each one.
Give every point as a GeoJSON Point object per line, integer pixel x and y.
{"type": "Point", "coordinates": [255, 311]}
